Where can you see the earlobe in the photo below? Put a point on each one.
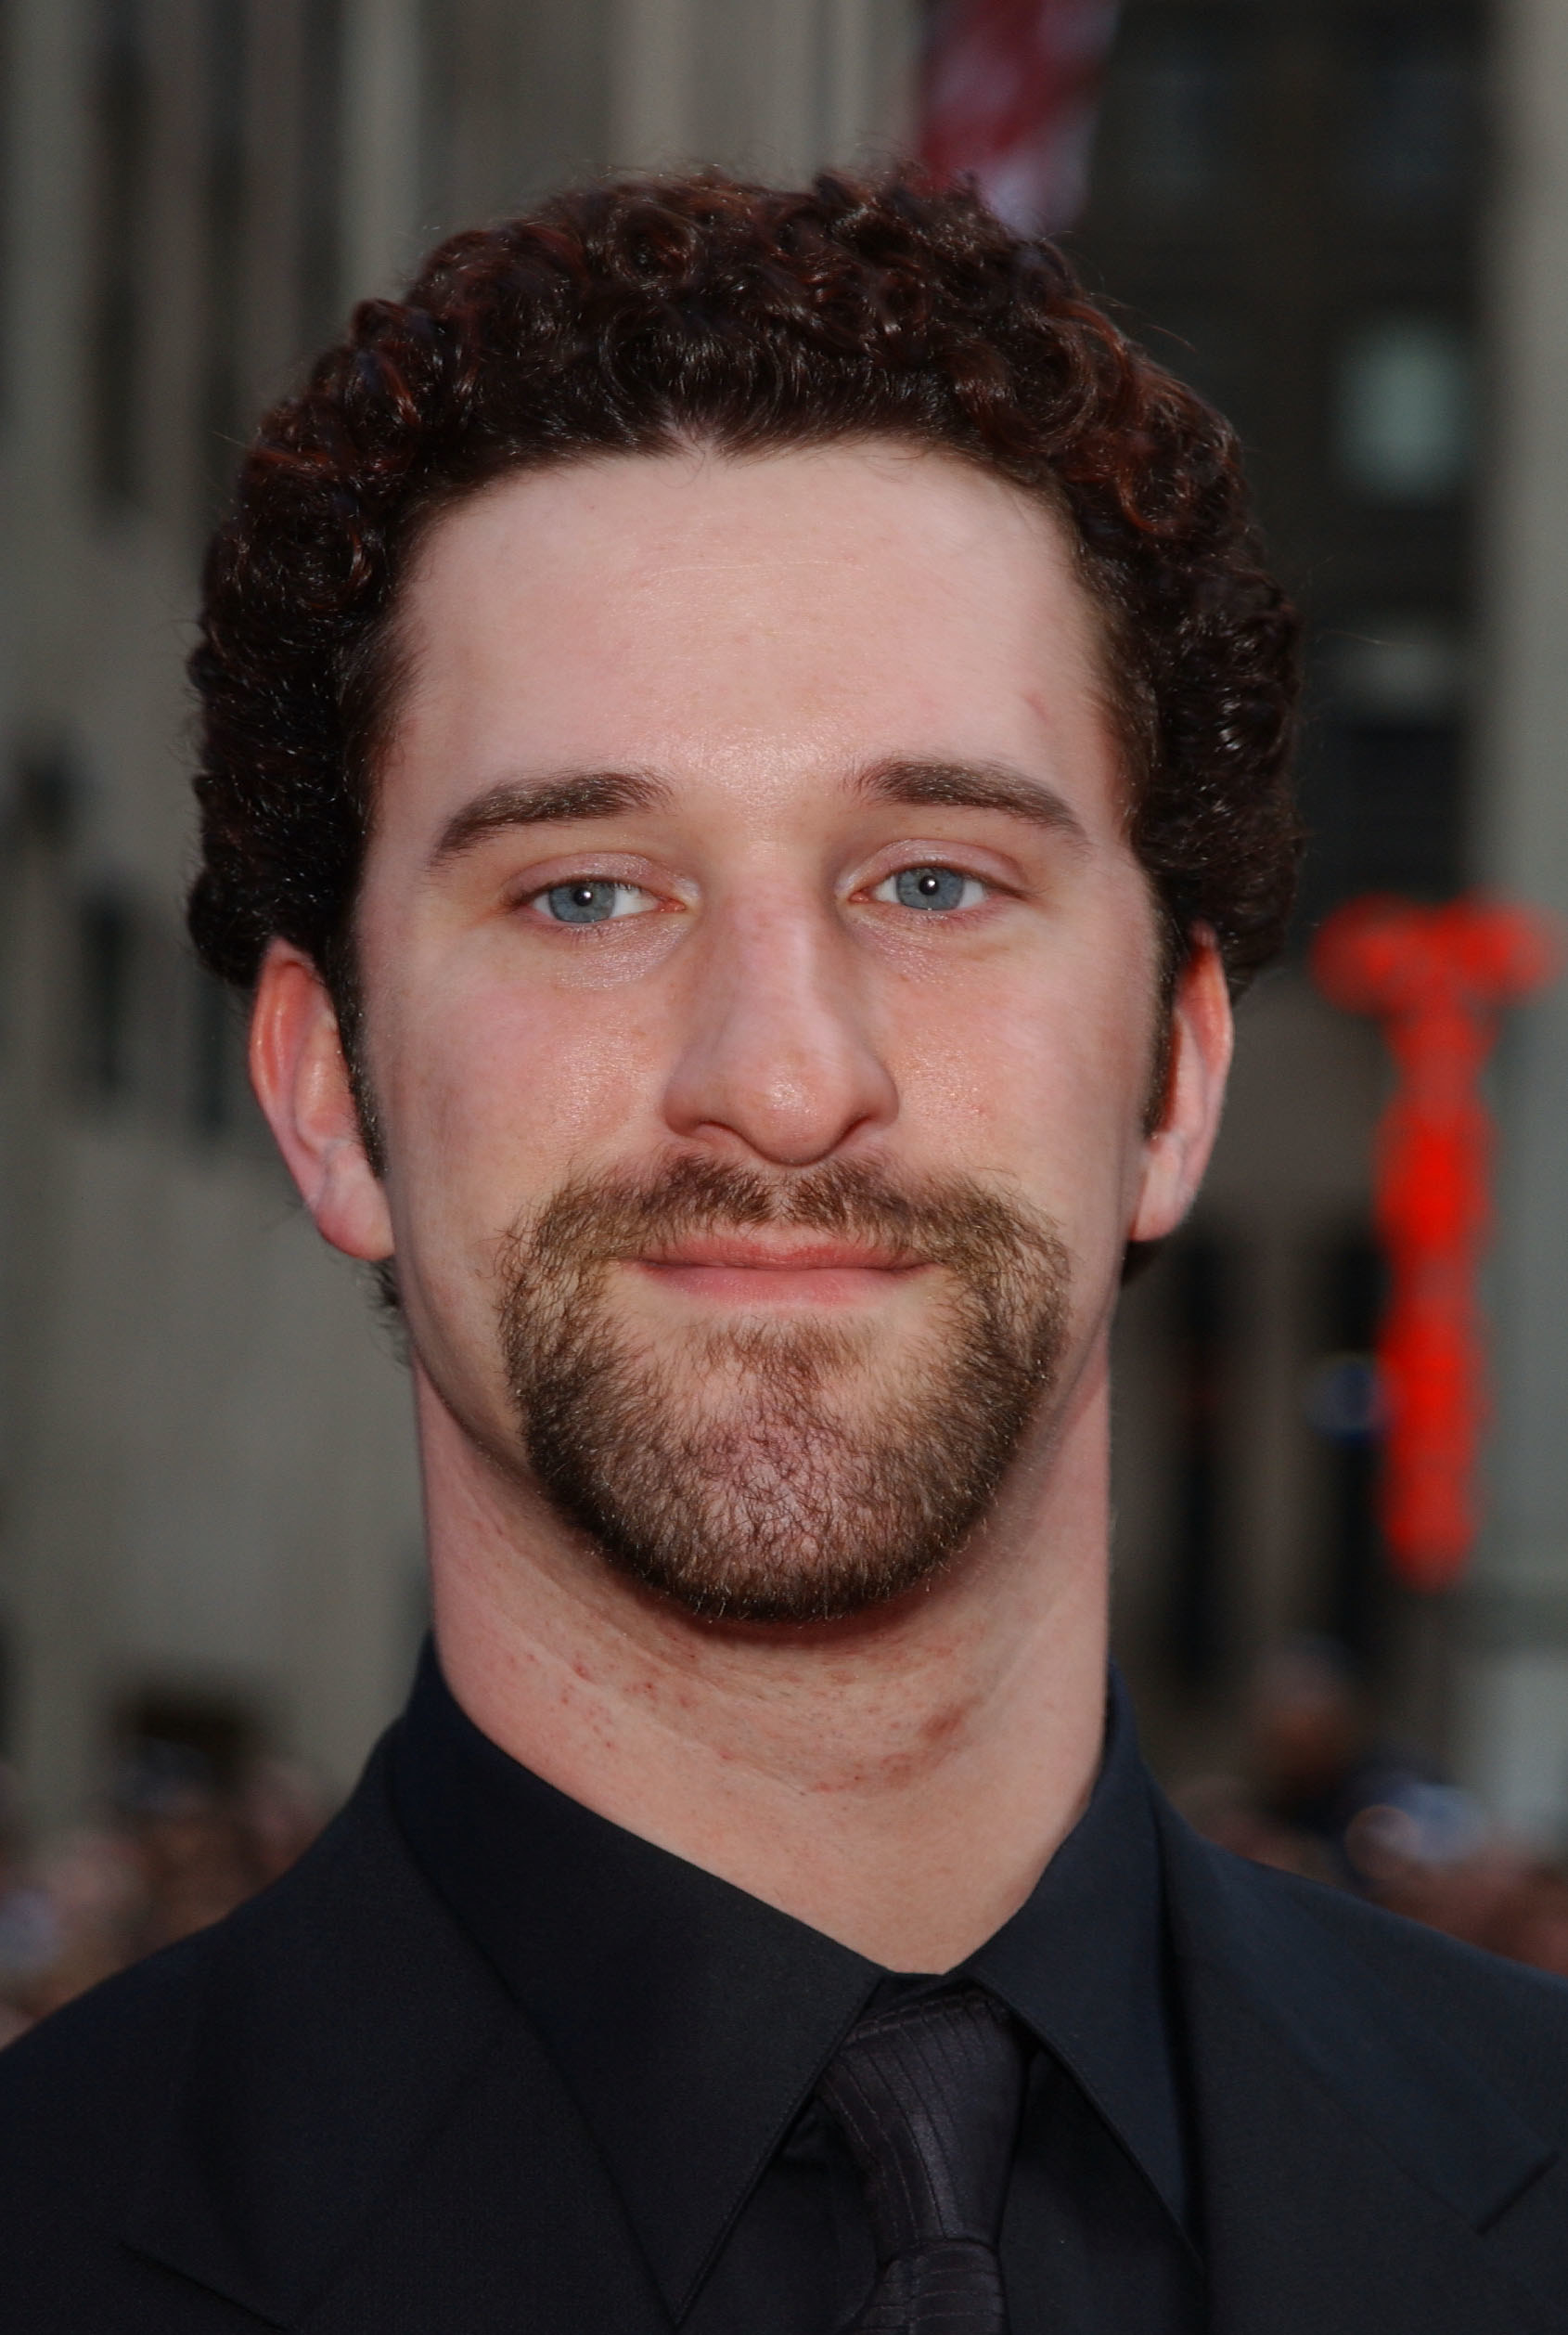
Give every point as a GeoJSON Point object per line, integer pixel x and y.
{"type": "Point", "coordinates": [301, 1083]}
{"type": "Point", "coordinates": [1201, 1040]}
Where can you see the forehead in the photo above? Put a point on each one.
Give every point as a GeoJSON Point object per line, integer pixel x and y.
{"type": "Point", "coordinates": [706, 611]}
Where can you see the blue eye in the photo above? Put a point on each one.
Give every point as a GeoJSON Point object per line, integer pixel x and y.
{"type": "Point", "coordinates": [931, 888]}
{"type": "Point", "coordinates": [592, 900]}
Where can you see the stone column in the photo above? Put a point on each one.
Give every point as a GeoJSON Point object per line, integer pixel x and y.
{"type": "Point", "coordinates": [380, 145]}
{"type": "Point", "coordinates": [780, 90]}
{"type": "Point", "coordinates": [653, 62]}
{"type": "Point", "coordinates": [1513, 1673]}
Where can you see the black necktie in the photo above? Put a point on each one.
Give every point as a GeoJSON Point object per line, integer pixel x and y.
{"type": "Point", "coordinates": [928, 2096]}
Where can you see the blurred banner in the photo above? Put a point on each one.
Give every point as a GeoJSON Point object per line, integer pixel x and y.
{"type": "Point", "coordinates": [1008, 94]}
{"type": "Point", "coordinates": [1438, 979]}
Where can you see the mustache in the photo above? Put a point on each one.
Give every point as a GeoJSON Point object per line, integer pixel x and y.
{"type": "Point", "coordinates": [950, 1221]}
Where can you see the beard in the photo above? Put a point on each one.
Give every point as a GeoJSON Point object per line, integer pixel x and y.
{"type": "Point", "coordinates": [783, 1471]}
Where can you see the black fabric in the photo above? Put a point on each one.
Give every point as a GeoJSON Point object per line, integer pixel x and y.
{"type": "Point", "coordinates": [327, 2115]}
{"type": "Point", "coordinates": [693, 2024]}
{"type": "Point", "coordinates": [928, 2096]}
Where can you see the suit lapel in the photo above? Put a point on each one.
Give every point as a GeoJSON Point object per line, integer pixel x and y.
{"type": "Point", "coordinates": [364, 2134]}
{"type": "Point", "coordinates": [1352, 2161]}
{"type": "Point", "coordinates": [503, 2224]}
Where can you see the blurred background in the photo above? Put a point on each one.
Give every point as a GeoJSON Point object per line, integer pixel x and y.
{"type": "Point", "coordinates": [1345, 221]}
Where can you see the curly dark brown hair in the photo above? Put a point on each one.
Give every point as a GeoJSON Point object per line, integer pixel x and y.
{"type": "Point", "coordinates": [638, 315]}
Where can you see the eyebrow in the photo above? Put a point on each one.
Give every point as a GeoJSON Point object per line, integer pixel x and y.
{"type": "Point", "coordinates": [564, 796]}
{"type": "Point", "coordinates": [557, 796]}
{"type": "Point", "coordinates": [972, 786]}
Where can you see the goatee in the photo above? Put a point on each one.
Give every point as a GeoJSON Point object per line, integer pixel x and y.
{"type": "Point", "coordinates": [790, 1471]}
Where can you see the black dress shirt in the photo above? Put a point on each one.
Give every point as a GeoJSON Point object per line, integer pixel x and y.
{"type": "Point", "coordinates": [692, 2023]}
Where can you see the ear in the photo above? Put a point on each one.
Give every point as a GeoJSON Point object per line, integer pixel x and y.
{"type": "Point", "coordinates": [1202, 1037]}
{"type": "Point", "coordinates": [302, 1082]}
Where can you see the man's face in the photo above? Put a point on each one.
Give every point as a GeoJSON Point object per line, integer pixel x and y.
{"type": "Point", "coordinates": [760, 997]}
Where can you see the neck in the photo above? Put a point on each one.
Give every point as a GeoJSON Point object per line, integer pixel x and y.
{"type": "Point", "coordinates": [897, 1781]}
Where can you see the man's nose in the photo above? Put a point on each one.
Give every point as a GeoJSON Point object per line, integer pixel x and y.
{"type": "Point", "coordinates": [779, 1060]}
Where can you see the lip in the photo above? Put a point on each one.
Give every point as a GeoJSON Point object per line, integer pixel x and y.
{"type": "Point", "coordinates": [772, 1271]}
{"type": "Point", "coordinates": [748, 1253]}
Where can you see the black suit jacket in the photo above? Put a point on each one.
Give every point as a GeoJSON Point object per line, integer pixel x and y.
{"type": "Point", "coordinates": [317, 2115]}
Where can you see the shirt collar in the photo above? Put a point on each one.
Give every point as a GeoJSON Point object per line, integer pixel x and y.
{"type": "Point", "coordinates": [692, 2021]}
{"type": "Point", "coordinates": [1084, 1963]}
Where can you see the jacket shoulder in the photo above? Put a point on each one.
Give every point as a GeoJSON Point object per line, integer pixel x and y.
{"type": "Point", "coordinates": [128, 2033]}
{"type": "Point", "coordinates": [106, 2054]}
{"type": "Point", "coordinates": [81, 2094]}
{"type": "Point", "coordinates": [210, 2046]}
{"type": "Point", "coordinates": [294, 2119]}
{"type": "Point", "coordinates": [1509, 2021]}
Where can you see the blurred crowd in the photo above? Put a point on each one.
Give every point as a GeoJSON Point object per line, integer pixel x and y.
{"type": "Point", "coordinates": [189, 1832]}
{"type": "Point", "coordinates": [183, 1837]}
{"type": "Point", "coordinates": [1318, 1793]}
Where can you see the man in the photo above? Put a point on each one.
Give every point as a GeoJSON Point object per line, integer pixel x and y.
{"type": "Point", "coordinates": [745, 755]}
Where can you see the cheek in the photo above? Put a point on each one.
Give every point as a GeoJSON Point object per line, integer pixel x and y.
{"type": "Point", "coordinates": [1041, 1080]}
{"type": "Point", "coordinates": [495, 1094]}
